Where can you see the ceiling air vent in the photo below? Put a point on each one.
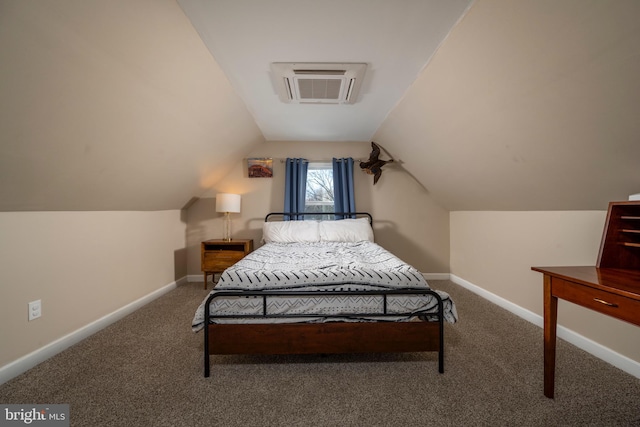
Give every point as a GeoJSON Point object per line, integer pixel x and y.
{"type": "Point", "coordinates": [318, 83]}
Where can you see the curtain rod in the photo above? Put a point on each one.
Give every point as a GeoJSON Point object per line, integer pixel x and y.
{"type": "Point", "coordinates": [323, 161]}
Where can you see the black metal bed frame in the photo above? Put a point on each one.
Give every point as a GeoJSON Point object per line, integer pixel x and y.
{"type": "Point", "coordinates": [294, 215]}
{"type": "Point", "coordinates": [265, 315]}
{"type": "Point", "coordinates": [275, 294]}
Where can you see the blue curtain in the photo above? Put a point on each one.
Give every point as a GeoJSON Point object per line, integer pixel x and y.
{"type": "Point", "coordinates": [343, 196]}
{"type": "Point", "coordinates": [295, 187]}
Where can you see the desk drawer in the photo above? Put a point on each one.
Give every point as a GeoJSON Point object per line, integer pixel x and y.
{"type": "Point", "coordinates": [604, 302]}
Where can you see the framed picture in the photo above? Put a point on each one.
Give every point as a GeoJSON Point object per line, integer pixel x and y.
{"type": "Point", "coordinates": [260, 168]}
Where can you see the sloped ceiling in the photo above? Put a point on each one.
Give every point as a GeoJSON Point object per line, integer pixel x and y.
{"type": "Point", "coordinates": [112, 105]}
{"type": "Point", "coordinates": [529, 105]}
{"type": "Point", "coordinates": [120, 105]}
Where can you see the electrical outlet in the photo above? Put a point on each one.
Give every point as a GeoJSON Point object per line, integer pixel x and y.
{"type": "Point", "coordinates": [35, 309]}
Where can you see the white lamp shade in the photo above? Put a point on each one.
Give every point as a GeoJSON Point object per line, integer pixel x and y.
{"type": "Point", "coordinates": [226, 202]}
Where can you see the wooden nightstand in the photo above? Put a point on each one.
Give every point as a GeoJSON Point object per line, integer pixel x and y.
{"type": "Point", "coordinates": [216, 255]}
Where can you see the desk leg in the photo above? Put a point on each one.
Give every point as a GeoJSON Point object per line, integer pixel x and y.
{"type": "Point", "coordinates": [550, 324]}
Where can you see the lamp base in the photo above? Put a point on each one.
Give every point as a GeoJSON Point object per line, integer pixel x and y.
{"type": "Point", "coordinates": [226, 235]}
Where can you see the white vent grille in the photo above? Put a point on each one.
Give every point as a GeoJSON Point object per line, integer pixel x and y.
{"type": "Point", "coordinates": [316, 83]}
{"type": "Point", "coordinates": [319, 89]}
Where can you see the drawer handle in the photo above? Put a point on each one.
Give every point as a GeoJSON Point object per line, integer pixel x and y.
{"type": "Point", "coordinates": [610, 304]}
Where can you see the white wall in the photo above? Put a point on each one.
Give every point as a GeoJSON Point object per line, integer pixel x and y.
{"type": "Point", "coordinates": [496, 250]}
{"type": "Point", "coordinates": [83, 266]}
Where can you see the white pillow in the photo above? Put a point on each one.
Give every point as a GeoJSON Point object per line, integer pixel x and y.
{"type": "Point", "coordinates": [346, 230]}
{"type": "Point", "coordinates": [290, 231]}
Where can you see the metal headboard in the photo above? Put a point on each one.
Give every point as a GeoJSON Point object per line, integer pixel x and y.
{"type": "Point", "coordinates": [293, 216]}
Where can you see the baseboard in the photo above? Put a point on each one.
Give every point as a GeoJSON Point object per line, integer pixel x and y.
{"type": "Point", "coordinates": [506, 304]}
{"type": "Point", "coordinates": [436, 276]}
{"type": "Point", "coordinates": [598, 350]}
{"type": "Point", "coordinates": [38, 356]}
{"type": "Point", "coordinates": [192, 278]}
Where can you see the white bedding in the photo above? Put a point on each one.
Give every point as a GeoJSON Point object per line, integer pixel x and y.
{"type": "Point", "coordinates": [322, 266]}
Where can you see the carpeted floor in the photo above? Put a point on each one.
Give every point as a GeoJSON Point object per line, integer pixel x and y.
{"type": "Point", "coordinates": [146, 370]}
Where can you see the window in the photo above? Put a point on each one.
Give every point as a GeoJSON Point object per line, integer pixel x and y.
{"type": "Point", "coordinates": [319, 197]}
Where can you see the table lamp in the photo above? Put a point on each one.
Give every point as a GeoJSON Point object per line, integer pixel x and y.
{"type": "Point", "coordinates": [227, 203]}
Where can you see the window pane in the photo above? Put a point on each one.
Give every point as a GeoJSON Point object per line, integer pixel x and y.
{"type": "Point", "coordinates": [319, 197]}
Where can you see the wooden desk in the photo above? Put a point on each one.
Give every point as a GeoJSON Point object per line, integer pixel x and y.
{"type": "Point", "coordinates": [611, 291]}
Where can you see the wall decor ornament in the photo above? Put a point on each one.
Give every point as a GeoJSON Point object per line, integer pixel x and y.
{"type": "Point", "coordinates": [260, 167]}
{"type": "Point", "coordinates": [374, 165]}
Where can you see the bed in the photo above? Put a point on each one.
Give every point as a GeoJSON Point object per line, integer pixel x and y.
{"type": "Point", "coordinates": [322, 287]}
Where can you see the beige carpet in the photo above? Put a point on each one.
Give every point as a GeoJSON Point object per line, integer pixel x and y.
{"type": "Point", "coordinates": [146, 370]}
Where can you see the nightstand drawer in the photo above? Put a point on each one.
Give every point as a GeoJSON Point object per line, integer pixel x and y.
{"type": "Point", "coordinates": [220, 260]}
{"type": "Point", "coordinates": [604, 302]}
